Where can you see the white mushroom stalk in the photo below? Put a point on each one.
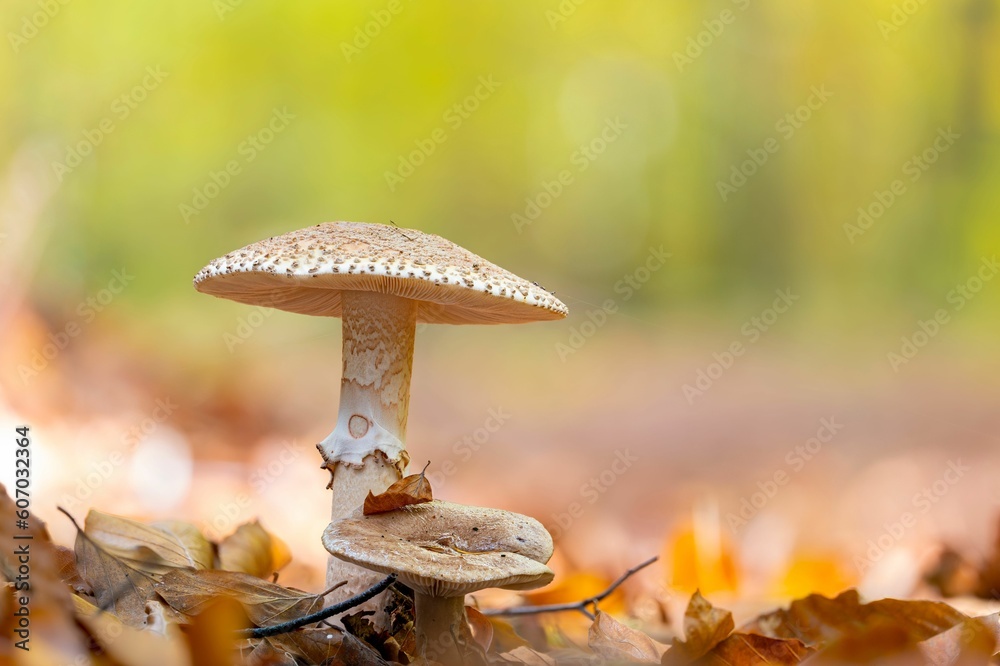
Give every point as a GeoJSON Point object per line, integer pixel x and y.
{"type": "Point", "coordinates": [440, 626]}
{"type": "Point", "coordinates": [367, 449]}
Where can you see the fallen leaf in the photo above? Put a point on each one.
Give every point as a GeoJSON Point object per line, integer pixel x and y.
{"type": "Point", "coordinates": [54, 636]}
{"type": "Point", "coordinates": [69, 573]}
{"type": "Point", "coordinates": [613, 640]}
{"type": "Point", "coordinates": [882, 642]}
{"type": "Point", "coordinates": [975, 639]}
{"type": "Point", "coordinates": [505, 637]}
{"type": "Point", "coordinates": [264, 653]}
{"type": "Point", "coordinates": [524, 656]}
{"type": "Point", "coordinates": [482, 628]}
{"type": "Point", "coordinates": [316, 645]}
{"type": "Point", "coordinates": [191, 591]}
{"type": "Point", "coordinates": [817, 619]}
{"type": "Point", "coordinates": [144, 547]}
{"type": "Point", "coordinates": [413, 489]}
{"type": "Point", "coordinates": [754, 650]}
{"type": "Point", "coordinates": [127, 645]}
{"type": "Point", "coordinates": [118, 588]}
{"type": "Point", "coordinates": [253, 550]}
{"type": "Point", "coordinates": [195, 544]}
{"type": "Point", "coordinates": [704, 627]}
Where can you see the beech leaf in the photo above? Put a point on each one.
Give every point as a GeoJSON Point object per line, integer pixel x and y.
{"type": "Point", "coordinates": [613, 640]}
{"type": "Point", "coordinates": [253, 550]}
{"type": "Point", "coordinates": [412, 489]}
{"type": "Point", "coordinates": [755, 650]}
{"type": "Point", "coordinates": [146, 547]}
{"type": "Point", "coordinates": [704, 627]}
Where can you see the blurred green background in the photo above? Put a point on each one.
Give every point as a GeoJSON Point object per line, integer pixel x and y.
{"type": "Point", "coordinates": [846, 151]}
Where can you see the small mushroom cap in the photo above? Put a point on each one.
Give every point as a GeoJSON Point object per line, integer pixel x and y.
{"type": "Point", "coordinates": [446, 550]}
{"type": "Point", "coordinates": [305, 271]}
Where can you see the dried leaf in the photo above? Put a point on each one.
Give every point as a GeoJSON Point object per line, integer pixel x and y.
{"type": "Point", "coordinates": [68, 572]}
{"type": "Point", "coordinates": [975, 639]}
{"type": "Point", "coordinates": [190, 592]}
{"type": "Point", "coordinates": [265, 654]}
{"type": "Point", "coordinates": [413, 489]}
{"type": "Point", "coordinates": [482, 628]}
{"type": "Point", "coordinates": [129, 646]}
{"type": "Point", "coordinates": [196, 545]}
{"type": "Point", "coordinates": [144, 547]}
{"type": "Point", "coordinates": [524, 656]}
{"type": "Point", "coordinates": [505, 637]}
{"type": "Point", "coordinates": [253, 550]}
{"type": "Point", "coordinates": [54, 636]}
{"type": "Point", "coordinates": [818, 620]}
{"type": "Point", "coordinates": [704, 628]}
{"type": "Point", "coordinates": [754, 650]}
{"type": "Point", "coordinates": [613, 640]}
{"type": "Point", "coordinates": [316, 645]}
{"type": "Point", "coordinates": [118, 588]}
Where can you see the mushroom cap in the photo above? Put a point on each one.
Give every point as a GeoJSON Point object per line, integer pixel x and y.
{"type": "Point", "coordinates": [444, 549]}
{"type": "Point", "coordinates": [305, 271]}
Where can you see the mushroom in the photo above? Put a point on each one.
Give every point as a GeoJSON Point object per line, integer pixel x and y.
{"type": "Point", "coordinates": [380, 281]}
{"type": "Point", "coordinates": [444, 551]}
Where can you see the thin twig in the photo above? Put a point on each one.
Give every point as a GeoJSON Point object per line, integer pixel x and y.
{"type": "Point", "coordinates": [336, 609]}
{"type": "Point", "coordinates": [580, 606]}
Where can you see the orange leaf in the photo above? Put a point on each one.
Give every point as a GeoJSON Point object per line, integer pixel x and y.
{"type": "Point", "coordinates": [612, 640]}
{"type": "Point", "coordinates": [754, 650]}
{"type": "Point", "coordinates": [482, 628]}
{"type": "Point", "coordinates": [704, 627]}
{"type": "Point", "coordinates": [413, 489]}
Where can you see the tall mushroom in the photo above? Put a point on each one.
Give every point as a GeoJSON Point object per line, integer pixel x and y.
{"type": "Point", "coordinates": [380, 281]}
{"type": "Point", "coordinates": [444, 551]}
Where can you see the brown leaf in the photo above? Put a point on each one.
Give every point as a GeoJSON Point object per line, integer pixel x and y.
{"type": "Point", "coordinates": [882, 641]}
{"type": "Point", "coordinates": [265, 654]}
{"type": "Point", "coordinates": [505, 637]}
{"type": "Point", "coordinates": [145, 547]}
{"type": "Point", "coordinates": [482, 628]}
{"type": "Point", "coordinates": [118, 588]}
{"type": "Point", "coordinates": [253, 550]}
{"type": "Point", "coordinates": [189, 592]}
{"type": "Point", "coordinates": [53, 635]}
{"type": "Point", "coordinates": [129, 646]}
{"type": "Point", "coordinates": [613, 640]}
{"type": "Point", "coordinates": [753, 650]}
{"type": "Point", "coordinates": [818, 620]}
{"type": "Point", "coordinates": [524, 656]}
{"type": "Point", "coordinates": [974, 640]}
{"type": "Point", "coordinates": [316, 645]}
{"type": "Point", "coordinates": [704, 628]}
{"type": "Point", "coordinates": [195, 544]}
{"type": "Point", "coordinates": [68, 572]}
{"type": "Point", "coordinates": [413, 489]}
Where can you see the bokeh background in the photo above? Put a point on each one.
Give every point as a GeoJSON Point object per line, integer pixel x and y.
{"type": "Point", "coordinates": [816, 184]}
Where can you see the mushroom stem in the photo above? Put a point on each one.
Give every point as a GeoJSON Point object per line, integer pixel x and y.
{"type": "Point", "coordinates": [367, 451]}
{"type": "Point", "coordinates": [441, 627]}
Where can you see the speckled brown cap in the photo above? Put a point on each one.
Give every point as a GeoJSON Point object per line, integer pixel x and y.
{"type": "Point", "coordinates": [305, 271]}
{"type": "Point", "coordinates": [446, 550]}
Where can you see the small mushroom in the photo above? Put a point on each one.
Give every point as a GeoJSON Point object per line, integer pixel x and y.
{"type": "Point", "coordinates": [380, 281]}
{"type": "Point", "coordinates": [444, 551]}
